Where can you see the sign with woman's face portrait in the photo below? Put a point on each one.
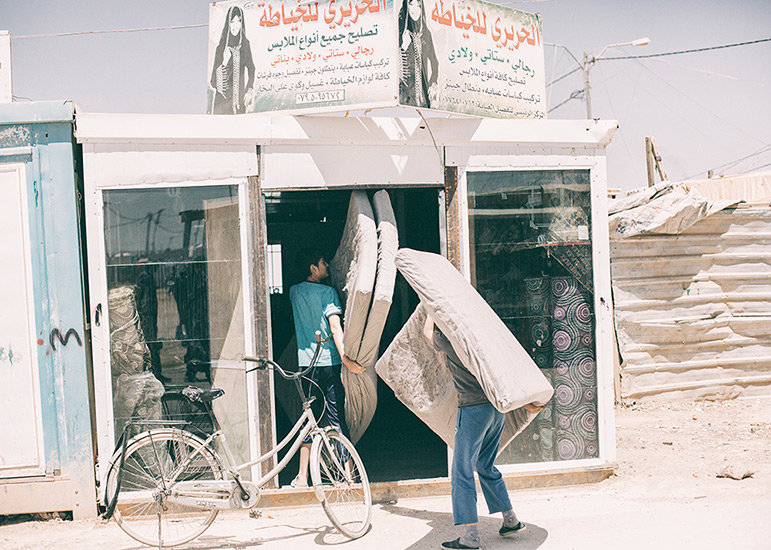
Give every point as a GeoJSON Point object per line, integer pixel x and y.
{"type": "Point", "coordinates": [302, 57]}
{"type": "Point", "coordinates": [455, 56]}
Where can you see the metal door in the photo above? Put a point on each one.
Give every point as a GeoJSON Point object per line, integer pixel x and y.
{"type": "Point", "coordinates": [21, 431]}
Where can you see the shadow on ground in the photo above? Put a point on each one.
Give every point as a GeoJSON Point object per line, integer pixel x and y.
{"type": "Point", "coordinates": [442, 529]}
{"type": "Point", "coordinates": [322, 536]}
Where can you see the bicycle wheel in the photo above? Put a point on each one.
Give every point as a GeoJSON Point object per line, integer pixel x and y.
{"type": "Point", "coordinates": [342, 486]}
{"type": "Point", "coordinates": [154, 461]}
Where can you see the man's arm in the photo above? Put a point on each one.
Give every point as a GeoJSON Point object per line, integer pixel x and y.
{"type": "Point", "coordinates": [337, 336]}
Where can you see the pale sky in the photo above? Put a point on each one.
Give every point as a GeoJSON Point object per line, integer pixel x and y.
{"type": "Point", "coordinates": [705, 110]}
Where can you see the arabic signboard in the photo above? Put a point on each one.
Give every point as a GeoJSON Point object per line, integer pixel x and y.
{"type": "Point", "coordinates": [456, 56]}
{"type": "Point", "coordinates": [281, 55]}
{"type": "Point", "coordinates": [477, 58]}
{"type": "Point", "coordinates": [6, 90]}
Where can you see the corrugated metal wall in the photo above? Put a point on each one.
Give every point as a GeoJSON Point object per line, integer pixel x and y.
{"type": "Point", "coordinates": [693, 311]}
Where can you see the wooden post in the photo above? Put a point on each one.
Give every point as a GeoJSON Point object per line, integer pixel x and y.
{"type": "Point", "coordinates": [657, 159]}
{"type": "Point", "coordinates": [452, 213]}
{"type": "Point", "coordinates": [261, 328]}
{"type": "Point", "coordinates": [649, 160]}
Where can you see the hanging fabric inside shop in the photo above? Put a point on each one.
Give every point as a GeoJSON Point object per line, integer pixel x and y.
{"type": "Point", "coordinates": [575, 380]}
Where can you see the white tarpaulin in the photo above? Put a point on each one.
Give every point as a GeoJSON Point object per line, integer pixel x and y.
{"type": "Point", "coordinates": [667, 208]}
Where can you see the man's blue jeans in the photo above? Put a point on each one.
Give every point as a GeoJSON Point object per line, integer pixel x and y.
{"type": "Point", "coordinates": [476, 443]}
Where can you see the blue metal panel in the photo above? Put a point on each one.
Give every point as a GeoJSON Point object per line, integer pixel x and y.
{"type": "Point", "coordinates": [46, 131]}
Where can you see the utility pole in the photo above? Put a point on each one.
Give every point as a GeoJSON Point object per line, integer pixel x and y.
{"type": "Point", "coordinates": [588, 61]}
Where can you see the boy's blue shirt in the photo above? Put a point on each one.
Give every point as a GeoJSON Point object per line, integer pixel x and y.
{"type": "Point", "coordinates": [312, 304]}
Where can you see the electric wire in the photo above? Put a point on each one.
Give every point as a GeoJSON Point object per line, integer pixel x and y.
{"type": "Point", "coordinates": [678, 90]}
{"type": "Point", "coordinates": [679, 52]}
{"type": "Point", "coordinates": [567, 74]}
{"type": "Point", "coordinates": [107, 31]}
{"type": "Point", "coordinates": [711, 73]}
{"type": "Point", "coordinates": [732, 163]}
{"type": "Point", "coordinates": [575, 95]}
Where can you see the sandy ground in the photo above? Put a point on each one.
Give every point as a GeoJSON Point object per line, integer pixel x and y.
{"type": "Point", "coordinates": [670, 491]}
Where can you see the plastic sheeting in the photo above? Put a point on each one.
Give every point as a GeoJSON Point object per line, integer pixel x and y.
{"type": "Point", "coordinates": [136, 392]}
{"type": "Point", "coordinates": [693, 309]}
{"type": "Point", "coordinates": [667, 208]}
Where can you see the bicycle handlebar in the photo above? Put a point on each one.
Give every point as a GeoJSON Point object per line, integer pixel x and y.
{"type": "Point", "coordinates": [264, 362]}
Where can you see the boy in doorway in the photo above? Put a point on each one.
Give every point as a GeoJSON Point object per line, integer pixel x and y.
{"type": "Point", "coordinates": [479, 426]}
{"type": "Point", "coordinates": [316, 307]}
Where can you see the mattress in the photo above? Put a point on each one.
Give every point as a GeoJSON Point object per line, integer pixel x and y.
{"type": "Point", "coordinates": [485, 346]}
{"type": "Point", "coordinates": [387, 247]}
{"type": "Point", "coordinates": [352, 273]}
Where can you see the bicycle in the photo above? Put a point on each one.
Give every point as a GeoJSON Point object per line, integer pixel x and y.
{"type": "Point", "coordinates": [166, 485]}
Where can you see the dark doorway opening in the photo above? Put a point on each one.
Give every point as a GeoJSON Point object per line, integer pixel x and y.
{"type": "Point", "coordinates": [397, 445]}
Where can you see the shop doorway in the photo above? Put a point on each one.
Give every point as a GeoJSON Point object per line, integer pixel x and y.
{"type": "Point", "coordinates": [397, 445]}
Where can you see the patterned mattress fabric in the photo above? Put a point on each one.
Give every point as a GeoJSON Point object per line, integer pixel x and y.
{"type": "Point", "coordinates": [352, 273]}
{"type": "Point", "coordinates": [485, 346]}
{"type": "Point", "coordinates": [575, 370]}
{"type": "Point", "coordinates": [560, 337]}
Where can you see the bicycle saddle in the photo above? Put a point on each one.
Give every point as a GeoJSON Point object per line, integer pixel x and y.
{"type": "Point", "coordinates": [199, 395]}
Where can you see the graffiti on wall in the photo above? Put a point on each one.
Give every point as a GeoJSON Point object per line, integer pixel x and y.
{"type": "Point", "coordinates": [6, 355]}
{"type": "Point", "coordinates": [57, 335]}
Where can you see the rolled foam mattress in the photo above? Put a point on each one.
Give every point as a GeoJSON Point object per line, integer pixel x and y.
{"type": "Point", "coordinates": [485, 346]}
{"type": "Point", "coordinates": [383, 295]}
{"type": "Point", "coordinates": [352, 272]}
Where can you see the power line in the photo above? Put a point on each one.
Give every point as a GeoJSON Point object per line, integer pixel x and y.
{"type": "Point", "coordinates": [139, 29]}
{"type": "Point", "coordinates": [689, 51]}
{"type": "Point", "coordinates": [732, 163]}
{"type": "Point", "coordinates": [567, 74]}
{"type": "Point", "coordinates": [575, 95]}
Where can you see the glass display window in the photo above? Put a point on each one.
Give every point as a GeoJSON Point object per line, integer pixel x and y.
{"type": "Point", "coordinates": [175, 299]}
{"type": "Point", "coordinates": [531, 259]}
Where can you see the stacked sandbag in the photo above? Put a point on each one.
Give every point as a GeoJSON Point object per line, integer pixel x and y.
{"type": "Point", "coordinates": [485, 346]}
{"type": "Point", "coordinates": [129, 353]}
{"type": "Point", "coordinates": [352, 273]}
{"type": "Point", "coordinates": [136, 391]}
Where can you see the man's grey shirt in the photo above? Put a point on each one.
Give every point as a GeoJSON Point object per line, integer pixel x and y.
{"type": "Point", "coordinates": [469, 391]}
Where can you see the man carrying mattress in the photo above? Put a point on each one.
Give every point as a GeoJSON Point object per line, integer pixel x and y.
{"type": "Point", "coordinates": [316, 307]}
{"type": "Point", "coordinates": [479, 426]}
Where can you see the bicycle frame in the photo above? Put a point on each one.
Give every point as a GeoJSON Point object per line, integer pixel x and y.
{"type": "Point", "coordinates": [195, 493]}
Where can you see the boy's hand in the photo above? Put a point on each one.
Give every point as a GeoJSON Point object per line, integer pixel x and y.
{"type": "Point", "coordinates": [352, 365]}
{"type": "Point", "coordinates": [532, 408]}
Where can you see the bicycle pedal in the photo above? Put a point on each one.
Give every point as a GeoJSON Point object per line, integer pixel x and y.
{"type": "Point", "coordinates": [255, 514]}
